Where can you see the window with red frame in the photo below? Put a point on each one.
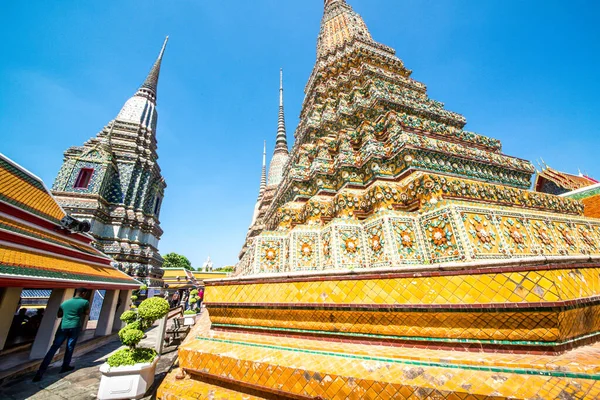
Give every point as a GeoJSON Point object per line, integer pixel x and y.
{"type": "Point", "coordinates": [84, 178]}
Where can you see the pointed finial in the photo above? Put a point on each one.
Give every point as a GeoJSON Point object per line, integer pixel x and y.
{"type": "Point", "coordinates": [281, 140]}
{"type": "Point", "coordinates": [151, 82]}
{"type": "Point", "coordinates": [263, 176]}
{"type": "Point", "coordinates": [281, 87]}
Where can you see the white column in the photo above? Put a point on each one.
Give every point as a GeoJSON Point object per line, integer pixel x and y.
{"type": "Point", "coordinates": [9, 301]}
{"type": "Point", "coordinates": [50, 323]}
{"type": "Point", "coordinates": [124, 303]}
{"type": "Point", "coordinates": [107, 313]}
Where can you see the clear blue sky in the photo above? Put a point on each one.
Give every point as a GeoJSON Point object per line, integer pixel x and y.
{"type": "Point", "coordinates": [525, 72]}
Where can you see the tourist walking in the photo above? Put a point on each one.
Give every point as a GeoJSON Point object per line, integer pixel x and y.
{"type": "Point", "coordinates": [72, 312]}
{"type": "Point", "coordinates": [175, 299]}
{"type": "Point", "coordinates": [200, 297]}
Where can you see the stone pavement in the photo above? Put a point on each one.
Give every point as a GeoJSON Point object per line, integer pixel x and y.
{"type": "Point", "coordinates": [83, 382]}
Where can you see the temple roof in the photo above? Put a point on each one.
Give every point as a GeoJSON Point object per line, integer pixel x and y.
{"type": "Point", "coordinates": [549, 180]}
{"type": "Point", "coordinates": [179, 278]}
{"type": "Point", "coordinates": [35, 251]}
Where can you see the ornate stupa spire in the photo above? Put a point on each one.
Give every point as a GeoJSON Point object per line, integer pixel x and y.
{"type": "Point", "coordinates": [263, 185]}
{"type": "Point", "coordinates": [121, 176]}
{"type": "Point", "coordinates": [263, 176]}
{"type": "Point", "coordinates": [150, 85]}
{"type": "Point", "coordinates": [141, 108]}
{"type": "Point", "coordinates": [281, 152]}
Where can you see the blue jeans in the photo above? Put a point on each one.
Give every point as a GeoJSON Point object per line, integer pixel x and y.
{"type": "Point", "coordinates": [70, 335]}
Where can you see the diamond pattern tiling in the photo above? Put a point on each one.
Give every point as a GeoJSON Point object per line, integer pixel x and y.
{"type": "Point", "coordinates": [191, 389]}
{"type": "Point", "coordinates": [499, 287]}
{"type": "Point", "coordinates": [343, 371]}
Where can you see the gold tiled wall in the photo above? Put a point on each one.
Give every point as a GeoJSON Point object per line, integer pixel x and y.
{"type": "Point", "coordinates": [421, 307]}
{"type": "Point", "coordinates": [470, 287]}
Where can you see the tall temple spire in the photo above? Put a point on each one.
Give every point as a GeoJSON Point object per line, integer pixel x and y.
{"type": "Point", "coordinates": [281, 152]}
{"type": "Point", "coordinates": [263, 176]}
{"type": "Point", "coordinates": [151, 82]}
{"type": "Point", "coordinates": [120, 176]}
{"type": "Point", "coordinates": [263, 186]}
{"type": "Point", "coordinates": [141, 108]}
{"type": "Point", "coordinates": [281, 140]}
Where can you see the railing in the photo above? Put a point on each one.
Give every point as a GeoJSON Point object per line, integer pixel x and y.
{"type": "Point", "coordinates": [176, 312]}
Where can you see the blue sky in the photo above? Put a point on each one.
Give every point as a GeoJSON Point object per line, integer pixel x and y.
{"type": "Point", "coordinates": [524, 72]}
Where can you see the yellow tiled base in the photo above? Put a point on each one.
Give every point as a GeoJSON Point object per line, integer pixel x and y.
{"type": "Point", "coordinates": [310, 368]}
{"type": "Point", "coordinates": [552, 326]}
{"type": "Point", "coordinates": [532, 285]}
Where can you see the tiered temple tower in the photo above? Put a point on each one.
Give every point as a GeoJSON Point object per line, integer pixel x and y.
{"type": "Point", "coordinates": [268, 187]}
{"type": "Point", "coordinates": [403, 257]}
{"type": "Point", "coordinates": [378, 167]}
{"type": "Point", "coordinates": [114, 182]}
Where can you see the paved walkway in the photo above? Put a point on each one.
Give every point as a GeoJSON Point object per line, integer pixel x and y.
{"type": "Point", "coordinates": [83, 382]}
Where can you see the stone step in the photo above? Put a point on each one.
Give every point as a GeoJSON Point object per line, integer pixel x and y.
{"type": "Point", "coordinates": [188, 389]}
{"type": "Point", "coordinates": [306, 368]}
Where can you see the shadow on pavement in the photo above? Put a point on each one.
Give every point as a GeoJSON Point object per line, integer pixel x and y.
{"type": "Point", "coordinates": [78, 384]}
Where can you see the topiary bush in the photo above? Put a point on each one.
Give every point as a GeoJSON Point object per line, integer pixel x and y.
{"type": "Point", "coordinates": [189, 312]}
{"type": "Point", "coordinates": [153, 308]}
{"type": "Point", "coordinates": [129, 316]}
{"type": "Point", "coordinates": [131, 357]}
{"type": "Point", "coordinates": [137, 322]}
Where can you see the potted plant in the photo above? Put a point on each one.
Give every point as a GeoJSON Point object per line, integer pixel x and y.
{"type": "Point", "coordinates": [189, 317]}
{"type": "Point", "coordinates": [129, 372]}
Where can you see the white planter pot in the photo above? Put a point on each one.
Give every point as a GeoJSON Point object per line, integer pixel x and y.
{"type": "Point", "coordinates": [189, 320]}
{"type": "Point", "coordinates": [128, 382]}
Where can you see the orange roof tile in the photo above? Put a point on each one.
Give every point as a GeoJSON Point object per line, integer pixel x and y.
{"type": "Point", "coordinates": [24, 190]}
{"type": "Point", "coordinates": [35, 250]}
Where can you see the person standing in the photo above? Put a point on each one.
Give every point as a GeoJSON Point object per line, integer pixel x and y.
{"type": "Point", "coordinates": [72, 312]}
{"type": "Point", "coordinates": [175, 299]}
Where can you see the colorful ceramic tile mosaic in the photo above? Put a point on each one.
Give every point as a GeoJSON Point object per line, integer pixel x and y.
{"type": "Point", "coordinates": [400, 256]}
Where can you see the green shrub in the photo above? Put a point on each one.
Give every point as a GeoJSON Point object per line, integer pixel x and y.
{"type": "Point", "coordinates": [134, 297]}
{"type": "Point", "coordinates": [153, 308]}
{"type": "Point", "coordinates": [137, 322]}
{"type": "Point", "coordinates": [144, 287]}
{"type": "Point", "coordinates": [130, 336]}
{"type": "Point", "coordinates": [189, 312]}
{"type": "Point", "coordinates": [129, 316]}
{"type": "Point", "coordinates": [131, 357]}
{"type": "Point", "coordinates": [193, 300]}
{"type": "Point", "coordinates": [194, 292]}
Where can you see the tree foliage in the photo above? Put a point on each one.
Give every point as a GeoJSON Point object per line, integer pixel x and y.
{"type": "Point", "coordinates": [174, 260]}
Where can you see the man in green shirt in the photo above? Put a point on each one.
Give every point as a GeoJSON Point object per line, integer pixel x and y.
{"type": "Point", "coordinates": [73, 313]}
